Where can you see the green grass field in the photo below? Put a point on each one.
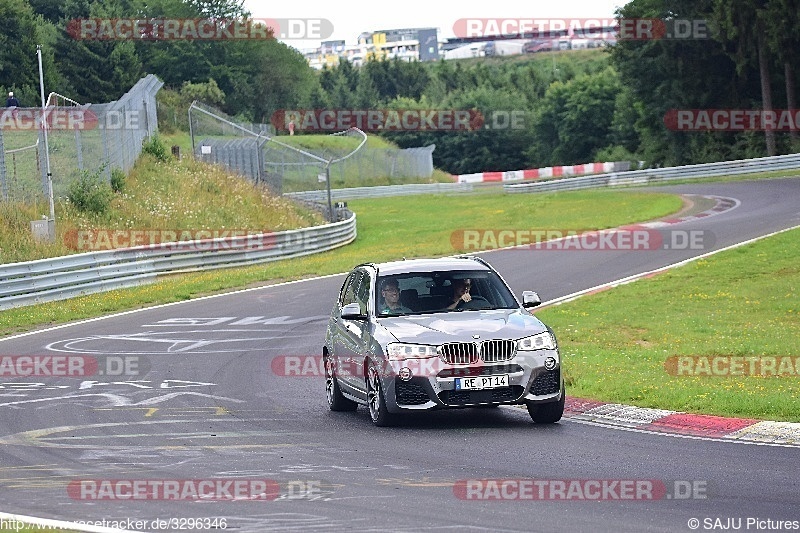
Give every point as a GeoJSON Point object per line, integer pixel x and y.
{"type": "Point", "coordinates": [173, 196]}
{"type": "Point", "coordinates": [745, 302]}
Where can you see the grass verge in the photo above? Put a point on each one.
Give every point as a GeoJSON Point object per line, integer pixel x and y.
{"type": "Point", "coordinates": [620, 345]}
{"type": "Point", "coordinates": [388, 228]}
{"type": "Point", "coordinates": [185, 195]}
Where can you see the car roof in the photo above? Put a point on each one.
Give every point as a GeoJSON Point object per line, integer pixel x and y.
{"type": "Point", "coordinates": [430, 265]}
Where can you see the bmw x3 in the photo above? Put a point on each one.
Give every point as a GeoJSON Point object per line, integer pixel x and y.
{"type": "Point", "coordinates": [424, 334]}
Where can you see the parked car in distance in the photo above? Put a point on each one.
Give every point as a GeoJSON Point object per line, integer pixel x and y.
{"type": "Point", "coordinates": [418, 335]}
{"type": "Point", "coordinates": [532, 47]}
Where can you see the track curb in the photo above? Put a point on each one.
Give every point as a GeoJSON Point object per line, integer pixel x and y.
{"type": "Point", "coordinates": [679, 423]}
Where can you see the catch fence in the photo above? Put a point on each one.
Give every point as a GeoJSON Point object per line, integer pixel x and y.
{"type": "Point", "coordinates": [93, 138]}
{"type": "Point", "coordinates": [289, 164]}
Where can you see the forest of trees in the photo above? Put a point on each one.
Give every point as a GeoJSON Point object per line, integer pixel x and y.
{"type": "Point", "coordinates": [579, 107]}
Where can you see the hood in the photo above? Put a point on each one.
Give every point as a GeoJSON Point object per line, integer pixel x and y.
{"type": "Point", "coordinates": [439, 328]}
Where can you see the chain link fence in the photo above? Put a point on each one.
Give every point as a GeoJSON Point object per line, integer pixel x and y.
{"type": "Point", "coordinates": [297, 163]}
{"type": "Point", "coordinates": [89, 137]}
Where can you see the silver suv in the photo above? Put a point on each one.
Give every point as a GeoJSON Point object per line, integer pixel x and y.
{"type": "Point", "coordinates": [423, 334]}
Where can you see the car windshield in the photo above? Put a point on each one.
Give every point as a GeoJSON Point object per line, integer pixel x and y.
{"type": "Point", "coordinates": [439, 292]}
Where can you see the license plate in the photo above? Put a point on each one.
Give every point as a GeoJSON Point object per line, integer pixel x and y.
{"type": "Point", "coordinates": [482, 382]}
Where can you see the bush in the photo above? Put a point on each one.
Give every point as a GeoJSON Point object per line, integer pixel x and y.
{"type": "Point", "coordinates": [117, 180]}
{"type": "Point", "coordinates": [156, 148]}
{"type": "Point", "coordinates": [90, 193]}
{"type": "Point", "coordinates": [617, 153]}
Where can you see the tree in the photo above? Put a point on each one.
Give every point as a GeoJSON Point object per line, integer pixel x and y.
{"type": "Point", "coordinates": [20, 33]}
{"type": "Point", "coordinates": [665, 74]}
{"type": "Point", "coordinates": [575, 119]}
{"type": "Point", "coordinates": [366, 96]}
{"type": "Point", "coordinates": [783, 37]}
{"type": "Point", "coordinates": [222, 9]}
{"type": "Point", "coordinates": [97, 70]}
{"type": "Point", "coordinates": [742, 25]}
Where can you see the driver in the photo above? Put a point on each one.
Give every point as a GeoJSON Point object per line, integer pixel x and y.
{"type": "Point", "coordinates": [390, 290]}
{"type": "Point", "coordinates": [461, 294]}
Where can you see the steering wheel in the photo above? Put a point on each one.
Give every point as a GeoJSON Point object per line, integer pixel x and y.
{"type": "Point", "coordinates": [477, 302]}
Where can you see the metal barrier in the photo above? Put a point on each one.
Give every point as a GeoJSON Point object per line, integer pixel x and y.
{"type": "Point", "coordinates": [60, 278]}
{"type": "Point", "coordinates": [657, 175]}
{"type": "Point", "coordinates": [380, 191]}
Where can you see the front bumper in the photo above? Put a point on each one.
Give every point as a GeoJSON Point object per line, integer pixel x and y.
{"type": "Point", "coordinates": [528, 381]}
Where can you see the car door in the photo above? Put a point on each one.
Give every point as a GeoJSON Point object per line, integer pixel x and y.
{"type": "Point", "coordinates": [353, 335]}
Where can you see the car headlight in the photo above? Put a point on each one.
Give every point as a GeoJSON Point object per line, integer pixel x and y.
{"type": "Point", "coordinates": [542, 341]}
{"type": "Point", "coordinates": [397, 351]}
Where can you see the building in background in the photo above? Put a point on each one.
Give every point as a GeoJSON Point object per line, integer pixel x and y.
{"type": "Point", "coordinates": [407, 44]}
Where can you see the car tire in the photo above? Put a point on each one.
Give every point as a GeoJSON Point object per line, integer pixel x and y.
{"type": "Point", "coordinates": [376, 402]}
{"type": "Point", "coordinates": [336, 400]}
{"type": "Point", "coordinates": [547, 413]}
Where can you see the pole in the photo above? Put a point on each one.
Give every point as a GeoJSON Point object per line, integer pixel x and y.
{"type": "Point", "coordinates": [328, 182]}
{"type": "Point", "coordinates": [51, 223]}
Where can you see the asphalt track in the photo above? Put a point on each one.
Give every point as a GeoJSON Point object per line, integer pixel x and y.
{"type": "Point", "coordinates": [207, 402]}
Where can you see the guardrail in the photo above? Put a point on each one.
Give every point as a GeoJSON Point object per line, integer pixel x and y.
{"type": "Point", "coordinates": [379, 191]}
{"type": "Point", "coordinates": [65, 277]}
{"type": "Point", "coordinates": [656, 175]}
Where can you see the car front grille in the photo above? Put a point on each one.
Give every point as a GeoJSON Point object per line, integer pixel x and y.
{"type": "Point", "coordinates": [468, 353]}
{"type": "Point", "coordinates": [495, 351]}
{"type": "Point", "coordinates": [459, 353]}
{"type": "Point", "coordinates": [409, 393]}
{"type": "Point", "coordinates": [477, 397]}
{"type": "Point", "coordinates": [548, 382]}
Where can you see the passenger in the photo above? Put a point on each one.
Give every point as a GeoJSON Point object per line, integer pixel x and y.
{"type": "Point", "coordinates": [461, 294]}
{"type": "Point", "coordinates": [390, 290]}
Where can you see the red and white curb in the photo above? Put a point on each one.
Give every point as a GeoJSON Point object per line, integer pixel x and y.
{"type": "Point", "coordinates": [679, 423]}
{"type": "Point", "coordinates": [536, 173]}
{"type": "Point", "coordinates": [722, 205]}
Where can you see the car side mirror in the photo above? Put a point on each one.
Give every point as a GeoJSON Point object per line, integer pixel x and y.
{"type": "Point", "coordinates": [352, 312]}
{"type": "Point", "coordinates": [530, 299]}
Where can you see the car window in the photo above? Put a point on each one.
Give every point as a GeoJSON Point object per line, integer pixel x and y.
{"type": "Point", "coordinates": [349, 289]}
{"type": "Point", "coordinates": [432, 292]}
{"type": "Point", "coordinates": [362, 293]}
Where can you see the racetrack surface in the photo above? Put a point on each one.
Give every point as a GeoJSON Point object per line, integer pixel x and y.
{"type": "Point", "coordinates": [209, 402]}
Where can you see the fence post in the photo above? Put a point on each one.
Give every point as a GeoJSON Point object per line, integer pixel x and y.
{"type": "Point", "coordinates": [3, 181]}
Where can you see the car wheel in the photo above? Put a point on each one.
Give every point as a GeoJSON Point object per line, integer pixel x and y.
{"type": "Point", "coordinates": [547, 413]}
{"type": "Point", "coordinates": [375, 400]}
{"type": "Point", "coordinates": [336, 400]}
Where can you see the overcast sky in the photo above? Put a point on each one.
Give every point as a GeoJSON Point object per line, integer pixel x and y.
{"type": "Point", "coordinates": [352, 17]}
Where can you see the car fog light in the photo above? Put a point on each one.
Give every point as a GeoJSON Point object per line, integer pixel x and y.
{"type": "Point", "coordinates": [405, 373]}
{"type": "Point", "coordinates": [550, 363]}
